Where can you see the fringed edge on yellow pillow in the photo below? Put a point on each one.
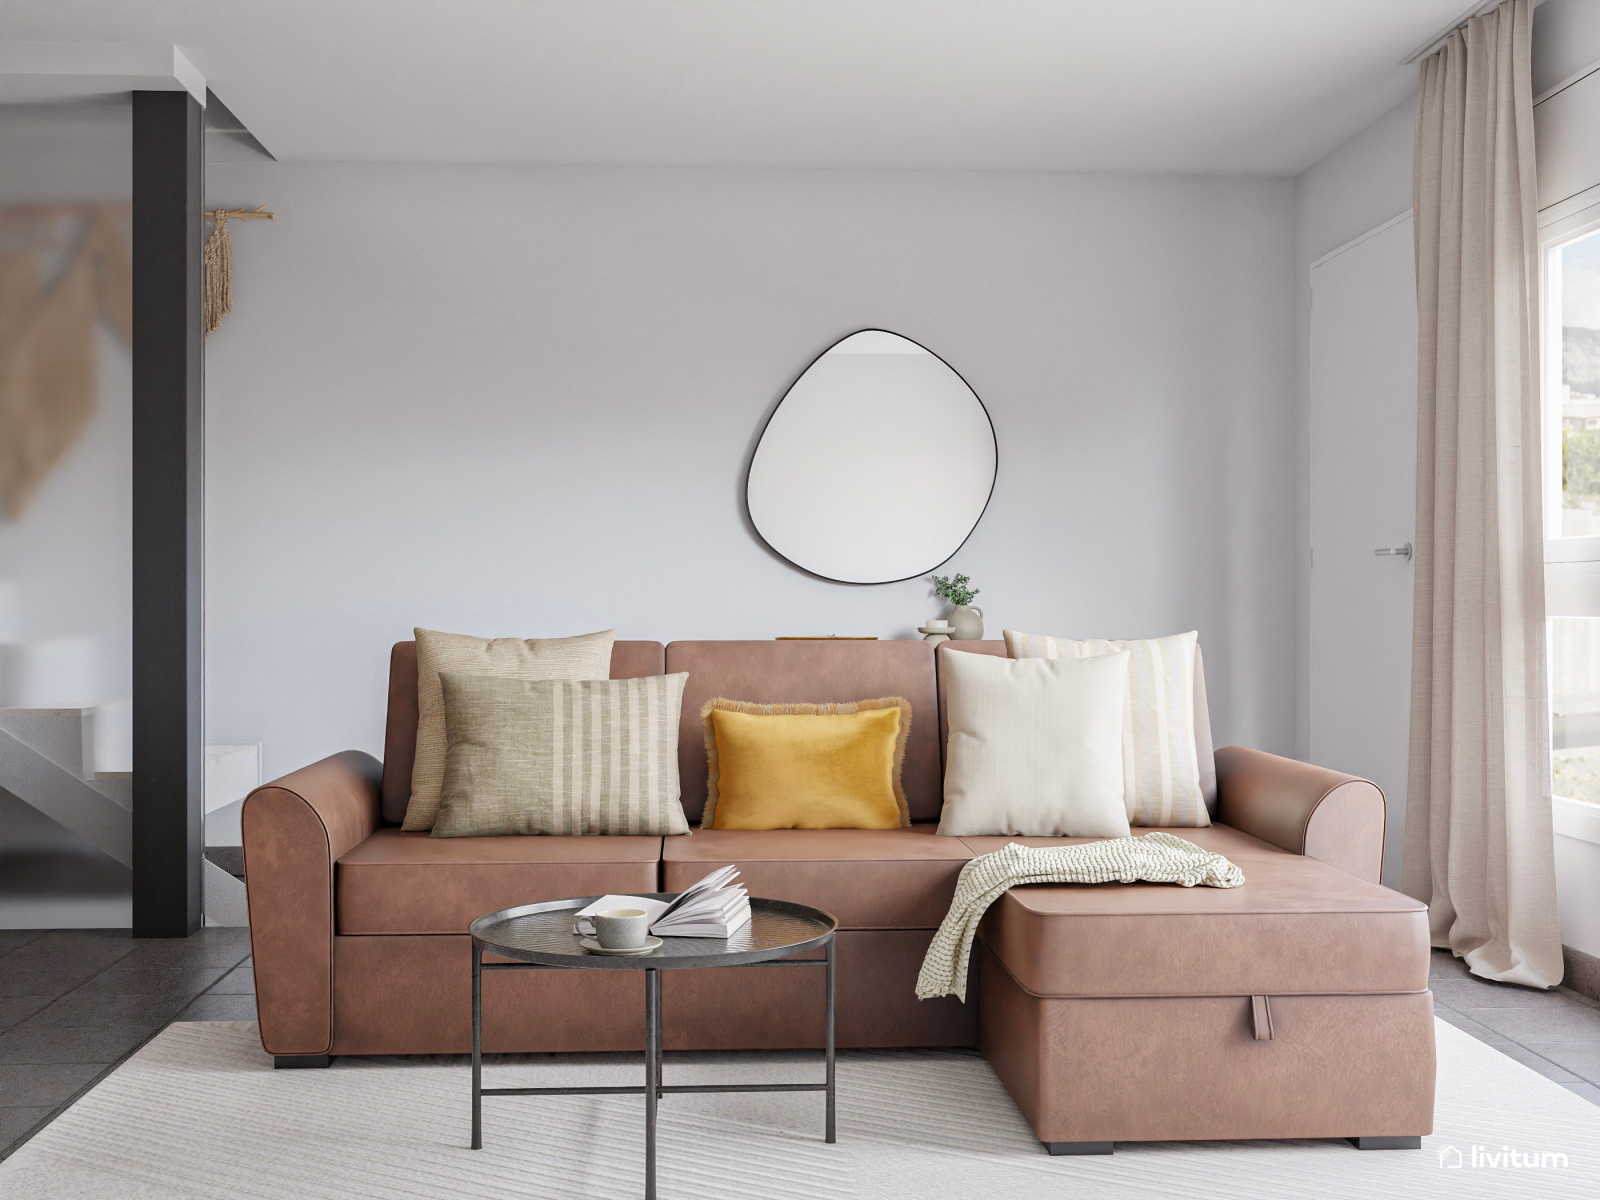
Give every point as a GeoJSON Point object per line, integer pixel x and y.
{"type": "Point", "coordinates": [839, 708]}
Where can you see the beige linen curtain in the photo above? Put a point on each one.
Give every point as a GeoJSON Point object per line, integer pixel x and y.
{"type": "Point", "coordinates": [1478, 822]}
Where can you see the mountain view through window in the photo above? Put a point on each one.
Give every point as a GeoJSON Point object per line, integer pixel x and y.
{"type": "Point", "coordinates": [1580, 387]}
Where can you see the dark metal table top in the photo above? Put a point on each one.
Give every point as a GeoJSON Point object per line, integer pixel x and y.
{"type": "Point", "coordinates": [542, 934]}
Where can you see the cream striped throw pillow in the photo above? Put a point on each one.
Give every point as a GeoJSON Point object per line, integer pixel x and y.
{"type": "Point", "coordinates": [560, 756]}
{"type": "Point", "coordinates": [1160, 767]}
{"type": "Point", "coordinates": [587, 656]}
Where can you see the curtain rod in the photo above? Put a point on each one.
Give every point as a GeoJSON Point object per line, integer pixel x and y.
{"type": "Point", "coordinates": [1443, 36]}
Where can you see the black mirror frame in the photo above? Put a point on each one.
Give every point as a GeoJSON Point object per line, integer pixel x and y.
{"type": "Point", "coordinates": [772, 411]}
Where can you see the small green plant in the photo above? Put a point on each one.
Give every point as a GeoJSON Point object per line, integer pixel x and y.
{"type": "Point", "coordinates": [954, 589]}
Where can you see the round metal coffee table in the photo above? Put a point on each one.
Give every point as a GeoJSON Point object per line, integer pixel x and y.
{"type": "Point", "coordinates": [540, 937]}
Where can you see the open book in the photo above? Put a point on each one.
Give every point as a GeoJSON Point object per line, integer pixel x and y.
{"type": "Point", "coordinates": [713, 907]}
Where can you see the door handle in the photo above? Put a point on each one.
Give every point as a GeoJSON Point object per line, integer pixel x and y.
{"type": "Point", "coordinates": [1401, 551]}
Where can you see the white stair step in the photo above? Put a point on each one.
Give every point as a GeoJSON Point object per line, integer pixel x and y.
{"type": "Point", "coordinates": [223, 825]}
{"type": "Point", "coordinates": [225, 902]}
{"type": "Point", "coordinates": [233, 770]}
{"type": "Point", "coordinates": [89, 742]}
{"type": "Point", "coordinates": [116, 786]}
{"type": "Point", "coordinates": [65, 798]}
{"type": "Point", "coordinates": [63, 735]}
{"type": "Point", "coordinates": [112, 752]}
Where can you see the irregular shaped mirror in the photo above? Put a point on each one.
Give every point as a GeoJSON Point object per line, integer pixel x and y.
{"type": "Point", "coordinates": [876, 464]}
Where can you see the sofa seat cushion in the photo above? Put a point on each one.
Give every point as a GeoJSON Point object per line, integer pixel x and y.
{"type": "Point", "coordinates": [867, 878]}
{"type": "Point", "coordinates": [1296, 926]}
{"type": "Point", "coordinates": [398, 882]}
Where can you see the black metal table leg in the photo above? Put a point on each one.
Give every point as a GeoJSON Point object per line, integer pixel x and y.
{"type": "Point", "coordinates": [477, 1046]}
{"type": "Point", "coordinates": [661, 1038]}
{"type": "Point", "coordinates": [830, 1138]}
{"type": "Point", "coordinates": [652, 1076]}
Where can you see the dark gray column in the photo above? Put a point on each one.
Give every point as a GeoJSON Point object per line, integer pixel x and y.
{"type": "Point", "coordinates": [168, 444]}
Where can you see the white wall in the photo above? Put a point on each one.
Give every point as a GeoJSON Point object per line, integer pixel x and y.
{"type": "Point", "coordinates": [1566, 85]}
{"type": "Point", "coordinates": [1566, 41]}
{"type": "Point", "coordinates": [519, 401]}
{"type": "Point", "coordinates": [1577, 841]}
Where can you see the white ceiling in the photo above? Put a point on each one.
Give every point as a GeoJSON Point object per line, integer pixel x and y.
{"type": "Point", "coordinates": [1207, 86]}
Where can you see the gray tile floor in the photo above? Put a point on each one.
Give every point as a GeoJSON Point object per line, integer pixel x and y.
{"type": "Point", "coordinates": [1557, 1033]}
{"type": "Point", "coordinates": [75, 1003]}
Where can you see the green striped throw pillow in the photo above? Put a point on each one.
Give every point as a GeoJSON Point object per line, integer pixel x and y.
{"type": "Point", "coordinates": [560, 756]}
{"type": "Point", "coordinates": [1160, 764]}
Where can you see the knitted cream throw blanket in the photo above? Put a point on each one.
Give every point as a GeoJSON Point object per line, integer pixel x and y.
{"type": "Point", "coordinates": [1152, 858]}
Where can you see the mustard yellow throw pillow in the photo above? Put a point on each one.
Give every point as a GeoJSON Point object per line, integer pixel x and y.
{"type": "Point", "coordinates": [806, 766]}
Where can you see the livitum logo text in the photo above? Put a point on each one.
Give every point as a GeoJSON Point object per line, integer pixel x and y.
{"type": "Point", "coordinates": [1507, 1158]}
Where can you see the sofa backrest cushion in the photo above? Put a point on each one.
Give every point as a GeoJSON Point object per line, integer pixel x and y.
{"type": "Point", "coordinates": [769, 673]}
{"type": "Point", "coordinates": [629, 660]}
{"type": "Point", "coordinates": [1204, 750]}
{"type": "Point", "coordinates": [814, 672]}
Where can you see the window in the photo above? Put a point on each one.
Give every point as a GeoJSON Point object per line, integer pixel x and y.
{"type": "Point", "coordinates": [1573, 292]}
{"type": "Point", "coordinates": [1571, 381]}
{"type": "Point", "coordinates": [1575, 707]}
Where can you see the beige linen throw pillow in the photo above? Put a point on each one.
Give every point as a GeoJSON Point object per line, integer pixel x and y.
{"type": "Point", "coordinates": [584, 657]}
{"type": "Point", "coordinates": [1160, 765]}
{"type": "Point", "coordinates": [561, 756]}
{"type": "Point", "coordinates": [1035, 746]}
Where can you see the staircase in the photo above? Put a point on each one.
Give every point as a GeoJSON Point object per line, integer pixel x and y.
{"type": "Point", "coordinates": [47, 759]}
{"type": "Point", "coordinates": [72, 765]}
{"type": "Point", "coordinates": [232, 771]}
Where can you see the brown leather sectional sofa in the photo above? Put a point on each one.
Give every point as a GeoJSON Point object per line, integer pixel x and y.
{"type": "Point", "coordinates": [1293, 1006]}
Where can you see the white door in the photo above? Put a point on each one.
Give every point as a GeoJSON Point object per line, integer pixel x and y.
{"type": "Point", "coordinates": [1363, 500]}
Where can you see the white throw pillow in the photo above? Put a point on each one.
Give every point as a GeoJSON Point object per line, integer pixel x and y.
{"type": "Point", "coordinates": [1035, 746]}
{"type": "Point", "coordinates": [1160, 760]}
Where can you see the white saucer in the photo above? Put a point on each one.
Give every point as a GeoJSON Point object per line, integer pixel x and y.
{"type": "Point", "coordinates": [594, 947]}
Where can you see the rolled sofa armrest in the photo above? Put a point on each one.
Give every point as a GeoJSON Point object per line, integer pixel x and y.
{"type": "Point", "coordinates": [295, 829]}
{"type": "Point", "coordinates": [1303, 809]}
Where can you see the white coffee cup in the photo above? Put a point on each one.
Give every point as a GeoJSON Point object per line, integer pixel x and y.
{"type": "Point", "coordinates": [936, 626]}
{"type": "Point", "coordinates": [621, 928]}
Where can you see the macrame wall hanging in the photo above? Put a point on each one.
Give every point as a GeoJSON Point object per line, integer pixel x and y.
{"type": "Point", "coordinates": [219, 261]}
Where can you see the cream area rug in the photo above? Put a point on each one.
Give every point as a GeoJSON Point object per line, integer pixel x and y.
{"type": "Point", "coordinates": [200, 1113]}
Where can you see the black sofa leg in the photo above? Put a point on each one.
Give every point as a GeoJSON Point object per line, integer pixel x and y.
{"type": "Point", "coordinates": [1079, 1147]}
{"type": "Point", "coordinates": [290, 1062]}
{"type": "Point", "coordinates": [1386, 1143]}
